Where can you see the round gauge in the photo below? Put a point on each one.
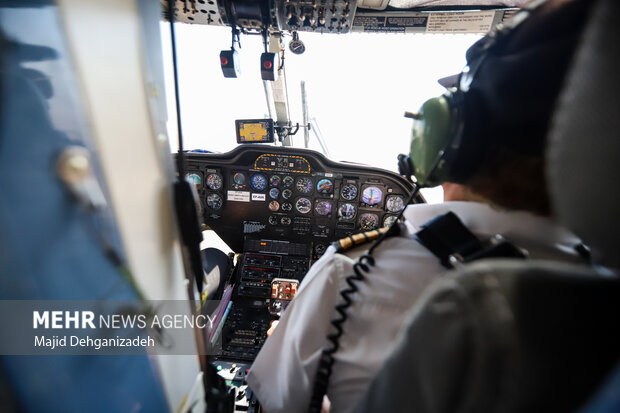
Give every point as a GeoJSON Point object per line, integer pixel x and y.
{"type": "Point", "coordinates": [394, 203]}
{"type": "Point", "coordinates": [389, 220]}
{"type": "Point", "coordinates": [288, 181]}
{"type": "Point", "coordinates": [325, 186]}
{"type": "Point", "coordinates": [274, 193]}
{"type": "Point", "coordinates": [239, 178]}
{"type": "Point", "coordinates": [286, 206]}
{"type": "Point", "coordinates": [372, 195]}
{"type": "Point", "coordinates": [214, 201]}
{"type": "Point", "coordinates": [258, 182]}
{"type": "Point", "coordinates": [194, 179]}
{"type": "Point", "coordinates": [285, 221]}
{"type": "Point", "coordinates": [214, 181]}
{"type": "Point", "coordinates": [349, 192]}
{"type": "Point", "coordinates": [319, 249]}
{"type": "Point", "coordinates": [303, 205]}
{"type": "Point", "coordinates": [287, 193]}
{"type": "Point", "coordinates": [275, 180]}
{"type": "Point", "coordinates": [369, 221]}
{"type": "Point", "coordinates": [346, 212]}
{"type": "Point", "coordinates": [274, 206]}
{"type": "Point", "coordinates": [304, 185]}
{"type": "Point", "coordinates": [323, 208]}
{"type": "Point", "coordinates": [297, 46]}
{"type": "Point", "coordinates": [273, 220]}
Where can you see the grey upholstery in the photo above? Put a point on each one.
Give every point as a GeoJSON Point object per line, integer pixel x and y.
{"type": "Point", "coordinates": [584, 144]}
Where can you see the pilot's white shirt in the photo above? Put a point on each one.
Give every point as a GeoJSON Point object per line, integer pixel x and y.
{"type": "Point", "coordinates": [282, 375]}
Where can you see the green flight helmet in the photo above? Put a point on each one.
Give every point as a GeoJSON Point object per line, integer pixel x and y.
{"type": "Point", "coordinates": [430, 137]}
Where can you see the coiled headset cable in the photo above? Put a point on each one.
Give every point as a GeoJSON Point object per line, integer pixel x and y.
{"type": "Point", "coordinates": [360, 269]}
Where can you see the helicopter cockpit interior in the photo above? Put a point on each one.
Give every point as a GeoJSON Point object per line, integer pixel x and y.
{"type": "Point", "coordinates": [202, 152]}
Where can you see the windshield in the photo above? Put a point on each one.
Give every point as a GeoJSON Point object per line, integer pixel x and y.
{"type": "Point", "coordinates": [358, 87]}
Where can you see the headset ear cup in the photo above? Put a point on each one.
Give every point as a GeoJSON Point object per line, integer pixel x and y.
{"type": "Point", "coordinates": [470, 147]}
{"type": "Point", "coordinates": [430, 136]}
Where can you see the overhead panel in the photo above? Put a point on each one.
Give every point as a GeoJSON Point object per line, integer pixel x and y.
{"type": "Point", "coordinates": [344, 16]}
{"type": "Point", "coordinates": [196, 12]}
{"type": "Point", "coordinates": [467, 21]}
{"type": "Point", "coordinates": [322, 16]}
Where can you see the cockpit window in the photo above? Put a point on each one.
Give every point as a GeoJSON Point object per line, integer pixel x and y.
{"type": "Point", "coordinates": [358, 87]}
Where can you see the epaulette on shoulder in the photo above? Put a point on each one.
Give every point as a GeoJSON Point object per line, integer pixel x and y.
{"type": "Point", "coordinates": [362, 238]}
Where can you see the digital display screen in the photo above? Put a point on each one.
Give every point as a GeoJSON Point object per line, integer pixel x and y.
{"type": "Point", "coordinates": [254, 130]}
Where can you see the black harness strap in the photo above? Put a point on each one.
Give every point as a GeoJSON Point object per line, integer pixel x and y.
{"type": "Point", "coordinates": [451, 241]}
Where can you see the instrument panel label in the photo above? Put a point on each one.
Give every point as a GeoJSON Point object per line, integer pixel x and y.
{"type": "Point", "coordinates": [258, 197]}
{"type": "Point", "coordinates": [239, 196]}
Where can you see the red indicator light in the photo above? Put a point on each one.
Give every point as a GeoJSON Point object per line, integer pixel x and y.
{"type": "Point", "coordinates": [268, 64]}
{"type": "Point", "coordinates": [224, 61]}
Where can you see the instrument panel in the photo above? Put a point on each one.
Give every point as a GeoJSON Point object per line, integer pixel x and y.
{"type": "Point", "coordinates": [267, 192]}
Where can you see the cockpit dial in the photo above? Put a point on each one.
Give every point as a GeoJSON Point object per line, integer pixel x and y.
{"type": "Point", "coordinates": [303, 205]}
{"type": "Point", "coordinates": [214, 201]}
{"type": "Point", "coordinates": [275, 180]}
{"type": "Point", "coordinates": [195, 179]}
{"type": "Point", "coordinates": [389, 220]}
{"type": "Point", "coordinates": [274, 193]}
{"type": "Point", "coordinates": [214, 182]}
{"type": "Point", "coordinates": [288, 181]}
{"type": "Point", "coordinates": [369, 221]}
{"type": "Point", "coordinates": [325, 186]}
{"type": "Point", "coordinates": [372, 195]}
{"type": "Point", "coordinates": [346, 212]}
{"type": "Point", "coordinates": [286, 207]}
{"type": "Point", "coordinates": [274, 206]}
{"type": "Point", "coordinates": [287, 193]}
{"type": "Point", "coordinates": [349, 192]}
{"type": "Point", "coordinates": [239, 179]}
{"type": "Point", "coordinates": [395, 203]}
{"type": "Point", "coordinates": [319, 249]}
{"type": "Point", "coordinates": [304, 185]}
{"type": "Point", "coordinates": [258, 182]}
{"type": "Point", "coordinates": [323, 208]}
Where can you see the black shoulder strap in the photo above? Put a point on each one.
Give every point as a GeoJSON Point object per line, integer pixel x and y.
{"type": "Point", "coordinates": [451, 241]}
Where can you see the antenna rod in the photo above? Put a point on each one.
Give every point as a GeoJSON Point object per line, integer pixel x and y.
{"type": "Point", "coordinates": [304, 107]}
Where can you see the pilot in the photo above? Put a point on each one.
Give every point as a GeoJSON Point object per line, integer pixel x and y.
{"type": "Point", "coordinates": [494, 183]}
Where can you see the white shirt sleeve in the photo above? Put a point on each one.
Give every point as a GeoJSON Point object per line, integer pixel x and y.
{"type": "Point", "coordinates": [282, 375]}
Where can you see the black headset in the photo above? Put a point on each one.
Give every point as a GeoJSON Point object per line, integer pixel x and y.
{"type": "Point", "coordinates": [445, 143]}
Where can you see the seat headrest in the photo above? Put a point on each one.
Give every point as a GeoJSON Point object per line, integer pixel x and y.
{"type": "Point", "coordinates": [584, 146]}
